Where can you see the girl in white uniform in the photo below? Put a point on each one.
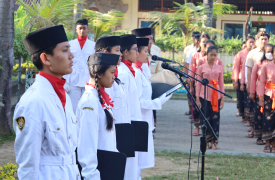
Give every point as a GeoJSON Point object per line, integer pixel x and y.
{"type": "Point", "coordinates": [97, 130]}
{"type": "Point", "coordinates": [111, 44]}
{"type": "Point", "coordinates": [146, 159]}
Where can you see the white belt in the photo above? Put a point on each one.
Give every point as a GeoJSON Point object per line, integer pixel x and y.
{"type": "Point", "coordinates": [58, 160]}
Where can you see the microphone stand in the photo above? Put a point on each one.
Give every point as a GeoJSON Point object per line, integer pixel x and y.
{"type": "Point", "coordinates": [206, 123]}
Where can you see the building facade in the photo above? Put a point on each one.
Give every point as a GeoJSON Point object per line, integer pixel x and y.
{"type": "Point", "coordinates": [263, 16]}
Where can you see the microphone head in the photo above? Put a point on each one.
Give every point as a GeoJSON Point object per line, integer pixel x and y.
{"type": "Point", "coordinates": [154, 57]}
{"type": "Point", "coordinates": [164, 65]}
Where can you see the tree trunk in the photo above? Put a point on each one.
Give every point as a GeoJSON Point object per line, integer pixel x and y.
{"type": "Point", "coordinates": [77, 11]}
{"type": "Point", "coordinates": [209, 4]}
{"type": "Point", "coordinates": [6, 62]}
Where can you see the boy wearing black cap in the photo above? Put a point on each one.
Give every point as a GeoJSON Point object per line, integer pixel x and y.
{"type": "Point", "coordinates": [154, 66]}
{"type": "Point", "coordinates": [81, 48]}
{"type": "Point", "coordinates": [44, 122]}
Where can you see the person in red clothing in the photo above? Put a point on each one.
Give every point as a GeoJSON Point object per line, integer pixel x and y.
{"type": "Point", "coordinates": [266, 90]}
{"type": "Point", "coordinates": [81, 48]}
{"type": "Point", "coordinates": [214, 100]}
{"type": "Point", "coordinates": [254, 86]}
{"type": "Point", "coordinates": [238, 74]}
{"type": "Point", "coordinates": [193, 67]}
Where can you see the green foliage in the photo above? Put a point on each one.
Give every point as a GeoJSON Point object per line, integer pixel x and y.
{"type": "Point", "coordinates": [166, 43]}
{"type": "Point", "coordinates": [185, 19]}
{"type": "Point", "coordinates": [19, 48]}
{"type": "Point", "coordinates": [121, 32]}
{"type": "Point", "coordinates": [102, 23]}
{"type": "Point", "coordinates": [230, 45]}
{"type": "Point", "coordinates": [7, 171]}
{"type": "Point", "coordinates": [49, 12]}
{"type": "Point", "coordinates": [272, 39]}
{"type": "Point", "coordinates": [20, 21]}
{"type": "Point", "coordinates": [227, 77]}
{"type": "Point", "coordinates": [177, 59]}
{"type": "Point", "coordinates": [24, 66]}
{"type": "Point", "coordinates": [70, 35]}
{"type": "Point", "coordinates": [221, 8]}
{"type": "Point", "coordinates": [1, 67]}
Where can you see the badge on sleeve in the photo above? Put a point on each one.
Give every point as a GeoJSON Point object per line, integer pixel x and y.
{"type": "Point", "coordinates": [21, 123]}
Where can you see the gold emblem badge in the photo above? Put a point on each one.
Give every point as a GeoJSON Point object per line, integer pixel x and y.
{"type": "Point", "coordinates": [21, 123]}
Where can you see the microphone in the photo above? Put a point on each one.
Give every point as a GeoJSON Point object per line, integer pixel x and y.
{"type": "Point", "coordinates": [167, 66]}
{"type": "Point", "coordinates": [156, 58]}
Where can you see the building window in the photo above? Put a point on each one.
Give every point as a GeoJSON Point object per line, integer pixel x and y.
{"type": "Point", "coordinates": [144, 24]}
{"type": "Point", "coordinates": [233, 30]}
{"type": "Point", "coordinates": [150, 5]}
{"type": "Point", "coordinates": [162, 5]}
{"type": "Point", "coordinates": [259, 6]}
{"type": "Point", "coordinates": [261, 26]}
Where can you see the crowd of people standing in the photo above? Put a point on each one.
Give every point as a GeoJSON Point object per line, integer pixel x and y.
{"type": "Point", "coordinates": [83, 90]}
{"type": "Point", "coordinates": [202, 62]}
{"type": "Point", "coordinates": [253, 79]}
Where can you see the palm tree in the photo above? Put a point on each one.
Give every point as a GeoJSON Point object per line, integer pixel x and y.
{"type": "Point", "coordinates": [49, 12]}
{"type": "Point", "coordinates": [103, 23]}
{"type": "Point", "coordinates": [6, 62]}
{"type": "Point", "coordinates": [186, 18]}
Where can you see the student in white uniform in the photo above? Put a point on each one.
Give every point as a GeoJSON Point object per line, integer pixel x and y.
{"type": "Point", "coordinates": [126, 74]}
{"type": "Point", "coordinates": [97, 130]}
{"type": "Point", "coordinates": [146, 159]}
{"type": "Point", "coordinates": [81, 48]}
{"type": "Point", "coordinates": [111, 44]}
{"type": "Point", "coordinates": [153, 66]}
{"type": "Point", "coordinates": [43, 121]}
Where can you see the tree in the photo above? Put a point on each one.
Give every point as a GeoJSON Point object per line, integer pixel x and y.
{"type": "Point", "coordinates": [6, 62]}
{"type": "Point", "coordinates": [185, 19]}
{"type": "Point", "coordinates": [209, 15]}
{"type": "Point", "coordinates": [49, 13]}
{"type": "Point", "coordinates": [103, 23]}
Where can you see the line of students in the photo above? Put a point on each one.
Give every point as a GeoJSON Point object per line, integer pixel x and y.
{"type": "Point", "coordinates": [118, 91]}
{"type": "Point", "coordinates": [255, 88]}
{"type": "Point", "coordinates": [204, 63]}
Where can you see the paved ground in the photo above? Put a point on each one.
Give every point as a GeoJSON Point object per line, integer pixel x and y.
{"type": "Point", "coordinates": [174, 131]}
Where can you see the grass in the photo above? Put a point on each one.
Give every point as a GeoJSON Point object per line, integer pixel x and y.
{"type": "Point", "coordinates": [8, 138]}
{"type": "Point", "coordinates": [222, 166]}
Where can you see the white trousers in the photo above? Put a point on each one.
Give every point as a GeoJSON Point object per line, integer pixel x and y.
{"type": "Point", "coordinates": [75, 95]}
{"type": "Point", "coordinates": [131, 169]}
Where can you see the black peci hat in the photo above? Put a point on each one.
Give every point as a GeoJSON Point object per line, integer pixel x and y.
{"type": "Point", "coordinates": [141, 32]}
{"type": "Point", "coordinates": [127, 40]}
{"type": "Point", "coordinates": [101, 58]}
{"type": "Point", "coordinates": [82, 22]}
{"type": "Point", "coordinates": [107, 41]}
{"type": "Point", "coordinates": [44, 38]}
{"type": "Point", "coordinates": [142, 42]}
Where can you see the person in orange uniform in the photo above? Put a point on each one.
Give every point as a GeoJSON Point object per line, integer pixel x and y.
{"type": "Point", "coordinates": [214, 100]}
{"type": "Point", "coordinates": [193, 67]}
{"type": "Point", "coordinates": [266, 90]}
{"type": "Point", "coordinates": [254, 86]}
